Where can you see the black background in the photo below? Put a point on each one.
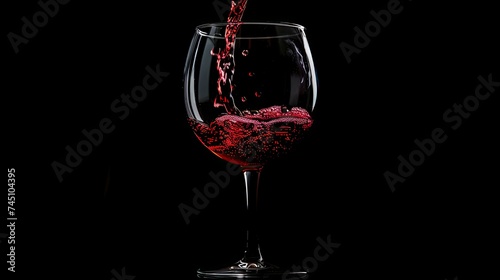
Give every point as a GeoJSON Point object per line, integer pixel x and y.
{"type": "Point", "coordinates": [119, 207]}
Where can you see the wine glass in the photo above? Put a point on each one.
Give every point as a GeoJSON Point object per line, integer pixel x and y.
{"type": "Point", "coordinates": [250, 89]}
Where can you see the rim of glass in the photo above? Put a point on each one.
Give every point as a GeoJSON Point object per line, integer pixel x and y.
{"type": "Point", "coordinates": [269, 23]}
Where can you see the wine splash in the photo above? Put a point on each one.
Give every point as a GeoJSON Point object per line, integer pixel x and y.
{"type": "Point", "coordinates": [225, 59]}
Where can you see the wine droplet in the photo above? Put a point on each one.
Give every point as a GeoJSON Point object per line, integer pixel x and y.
{"type": "Point", "coordinates": [251, 74]}
{"type": "Point", "coordinates": [258, 94]}
{"type": "Point", "coordinates": [243, 99]}
{"type": "Point", "coordinates": [244, 52]}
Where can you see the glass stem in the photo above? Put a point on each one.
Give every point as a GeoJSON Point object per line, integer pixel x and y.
{"type": "Point", "coordinates": [252, 256]}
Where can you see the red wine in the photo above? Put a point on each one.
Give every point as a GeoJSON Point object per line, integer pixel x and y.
{"type": "Point", "coordinates": [254, 138]}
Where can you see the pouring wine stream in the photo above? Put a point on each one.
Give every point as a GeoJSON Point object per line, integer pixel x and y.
{"type": "Point", "coordinates": [225, 60]}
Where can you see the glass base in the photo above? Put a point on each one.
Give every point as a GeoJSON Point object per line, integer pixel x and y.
{"type": "Point", "coordinates": [242, 270]}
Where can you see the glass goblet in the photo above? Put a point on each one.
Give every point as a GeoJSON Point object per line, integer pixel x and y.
{"type": "Point", "coordinates": [250, 89]}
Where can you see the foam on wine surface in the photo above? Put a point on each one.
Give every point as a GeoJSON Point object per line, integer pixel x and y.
{"type": "Point", "coordinates": [254, 138]}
